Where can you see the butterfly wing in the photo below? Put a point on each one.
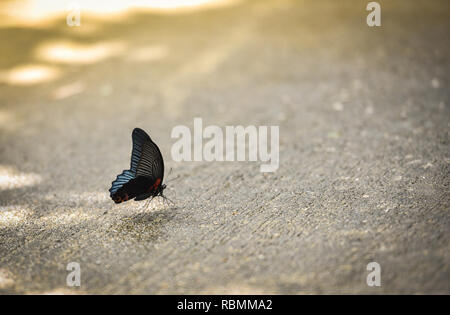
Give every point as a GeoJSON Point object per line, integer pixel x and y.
{"type": "Point", "coordinates": [140, 137]}
{"type": "Point", "coordinates": [121, 180]}
{"type": "Point", "coordinates": [146, 161]}
{"type": "Point", "coordinates": [151, 163]}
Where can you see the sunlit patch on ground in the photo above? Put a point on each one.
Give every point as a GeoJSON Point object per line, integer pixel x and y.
{"type": "Point", "coordinates": [88, 197]}
{"type": "Point", "coordinates": [59, 291]}
{"type": "Point", "coordinates": [148, 53]}
{"type": "Point", "coordinates": [6, 280]}
{"type": "Point", "coordinates": [41, 12]}
{"type": "Point", "coordinates": [72, 216]}
{"type": "Point", "coordinates": [13, 215]}
{"type": "Point", "coordinates": [74, 53]}
{"type": "Point", "coordinates": [11, 178]}
{"type": "Point", "coordinates": [66, 91]}
{"type": "Point", "coordinates": [29, 74]}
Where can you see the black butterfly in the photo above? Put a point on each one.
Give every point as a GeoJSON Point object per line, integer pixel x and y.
{"type": "Point", "coordinates": [144, 178]}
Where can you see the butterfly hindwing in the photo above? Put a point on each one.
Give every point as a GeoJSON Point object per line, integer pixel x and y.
{"type": "Point", "coordinates": [121, 179]}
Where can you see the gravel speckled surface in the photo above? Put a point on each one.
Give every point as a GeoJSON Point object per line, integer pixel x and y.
{"type": "Point", "coordinates": [364, 152]}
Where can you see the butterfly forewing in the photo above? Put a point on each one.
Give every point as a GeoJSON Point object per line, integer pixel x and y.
{"type": "Point", "coordinates": [140, 137]}
{"type": "Point", "coordinates": [151, 163]}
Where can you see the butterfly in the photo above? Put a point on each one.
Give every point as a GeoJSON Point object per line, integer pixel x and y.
{"type": "Point", "coordinates": [145, 177]}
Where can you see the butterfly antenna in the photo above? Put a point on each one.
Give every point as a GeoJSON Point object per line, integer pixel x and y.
{"type": "Point", "coordinates": [175, 192]}
{"type": "Point", "coordinates": [142, 206]}
{"type": "Point", "coordinates": [149, 202]}
{"type": "Point", "coordinates": [172, 179]}
{"type": "Point", "coordinates": [169, 180]}
{"type": "Point", "coordinates": [167, 199]}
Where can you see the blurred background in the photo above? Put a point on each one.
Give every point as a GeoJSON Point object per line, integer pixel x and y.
{"type": "Point", "coordinates": [364, 145]}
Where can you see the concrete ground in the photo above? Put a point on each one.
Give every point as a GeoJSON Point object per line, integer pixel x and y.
{"type": "Point", "coordinates": [364, 150]}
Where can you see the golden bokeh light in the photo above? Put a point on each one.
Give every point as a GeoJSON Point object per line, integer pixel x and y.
{"type": "Point", "coordinates": [37, 12]}
{"type": "Point", "coordinates": [29, 74]}
{"type": "Point", "coordinates": [148, 53]}
{"type": "Point", "coordinates": [73, 53]}
{"type": "Point", "coordinates": [68, 90]}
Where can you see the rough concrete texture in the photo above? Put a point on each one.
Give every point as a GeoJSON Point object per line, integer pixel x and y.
{"type": "Point", "coordinates": [364, 150]}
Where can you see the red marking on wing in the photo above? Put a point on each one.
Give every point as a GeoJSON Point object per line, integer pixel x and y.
{"type": "Point", "coordinates": [155, 185]}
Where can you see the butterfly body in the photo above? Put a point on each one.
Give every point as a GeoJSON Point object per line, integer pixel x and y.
{"type": "Point", "coordinates": [145, 177]}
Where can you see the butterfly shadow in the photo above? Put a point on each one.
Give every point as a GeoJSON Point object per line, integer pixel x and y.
{"type": "Point", "coordinates": [147, 224]}
{"type": "Point", "coordinates": [147, 216]}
